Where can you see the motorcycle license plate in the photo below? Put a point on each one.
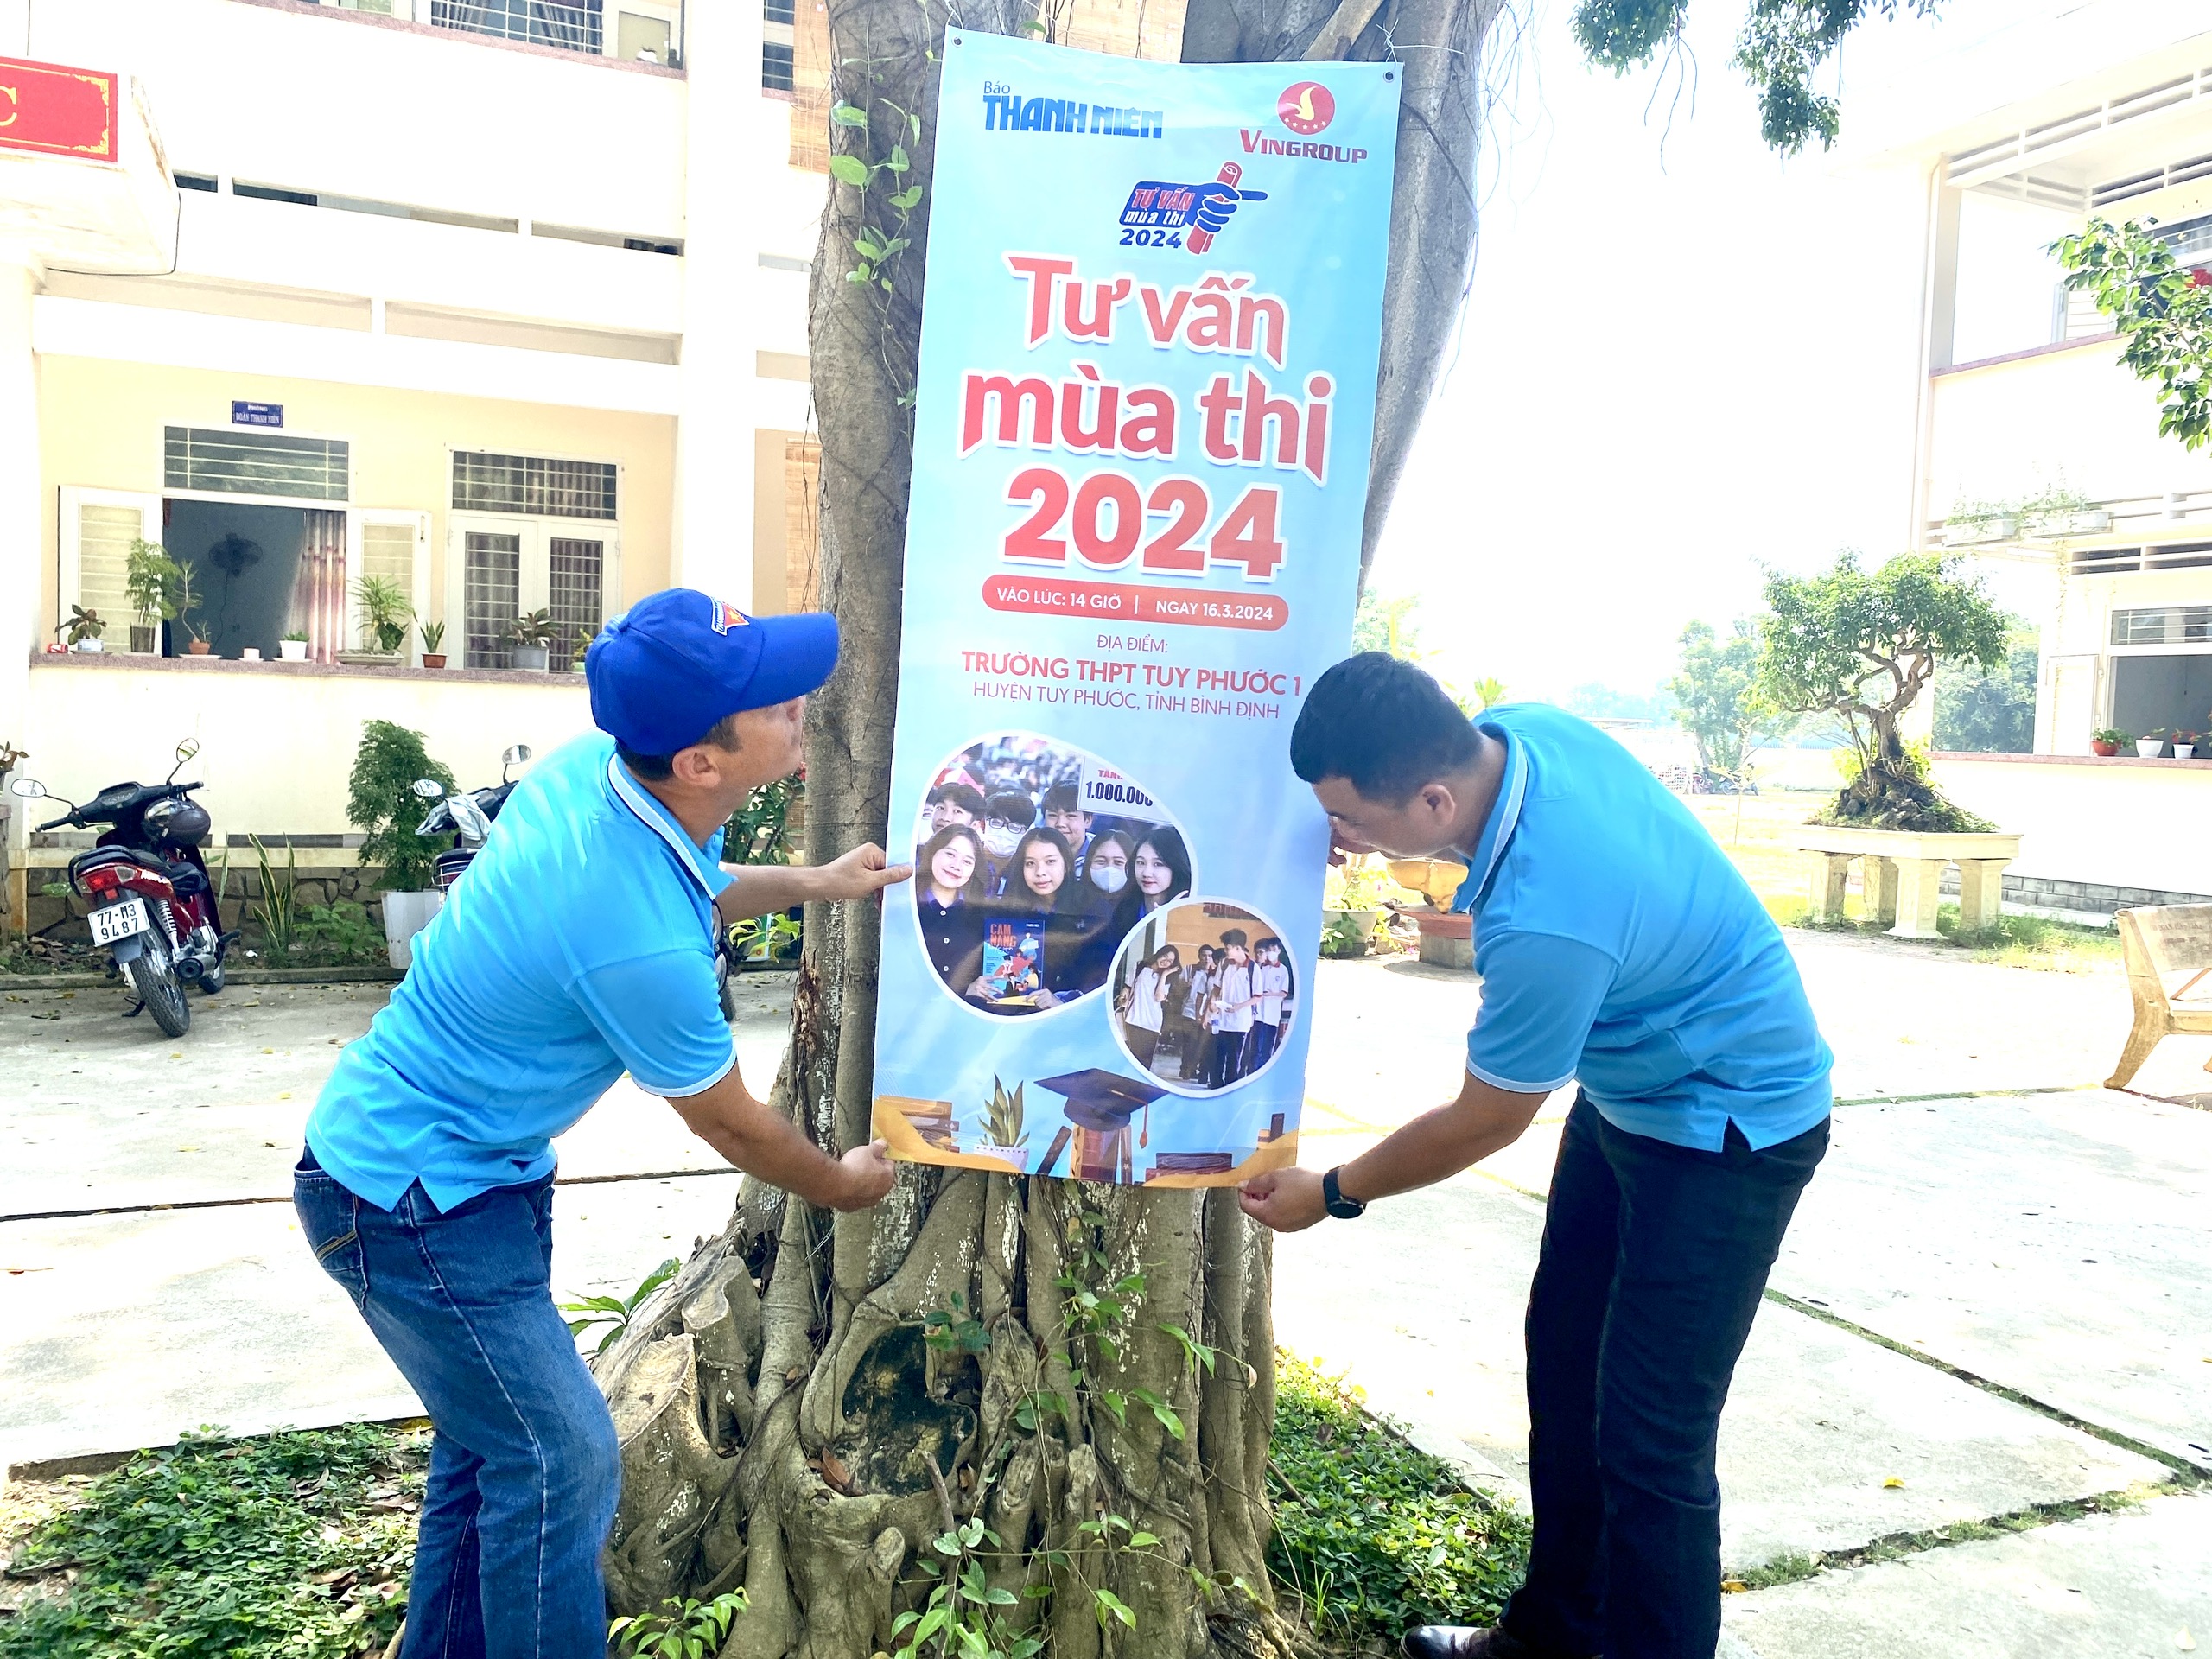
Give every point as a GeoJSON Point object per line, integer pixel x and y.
{"type": "Point", "coordinates": [113, 923]}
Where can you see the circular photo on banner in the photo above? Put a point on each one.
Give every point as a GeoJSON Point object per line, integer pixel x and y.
{"type": "Point", "coordinates": [1033, 859]}
{"type": "Point", "coordinates": [1203, 995]}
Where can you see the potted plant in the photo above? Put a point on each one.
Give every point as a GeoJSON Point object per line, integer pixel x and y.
{"type": "Point", "coordinates": [294, 645]}
{"type": "Point", "coordinates": [1971, 521]}
{"type": "Point", "coordinates": [2186, 745]}
{"type": "Point", "coordinates": [380, 800]}
{"type": "Point", "coordinates": [2110, 742]}
{"type": "Point", "coordinates": [2151, 745]}
{"type": "Point", "coordinates": [2061, 511]}
{"type": "Point", "coordinates": [434, 637]}
{"type": "Point", "coordinates": [85, 628]}
{"type": "Point", "coordinates": [532, 634]}
{"type": "Point", "coordinates": [150, 579]}
{"type": "Point", "coordinates": [385, 614]}
{"type": "Point", "coordinates": [1002, 1122]}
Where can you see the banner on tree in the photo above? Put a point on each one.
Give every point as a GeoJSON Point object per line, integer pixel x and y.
{"type": "Point", "coordinates": [1144, 407]}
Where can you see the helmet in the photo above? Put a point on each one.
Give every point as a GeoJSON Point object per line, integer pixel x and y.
{"type": "Point", "coordinates": [184, 823]}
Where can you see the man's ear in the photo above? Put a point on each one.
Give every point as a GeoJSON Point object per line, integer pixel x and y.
{"type": "Point", "coordinates": [1439, 800]}
{"type": "Point", "coordinates": [694, 766]}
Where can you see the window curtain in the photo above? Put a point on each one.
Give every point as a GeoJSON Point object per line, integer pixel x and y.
{"type": "Point", "coordinates": [319, 590]}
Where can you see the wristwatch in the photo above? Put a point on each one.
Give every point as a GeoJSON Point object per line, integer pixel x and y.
{"type": "Point", "coordinates": [1342, 1208]}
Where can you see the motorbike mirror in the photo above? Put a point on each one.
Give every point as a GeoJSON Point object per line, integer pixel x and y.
{"type": "Point", "coordinates": [515, 755]}
{"type": "Point", "coordinates": [29, 788]}
{"type": "Point", "coordinates": [186, 749]}
{"type": "Point", "coordinates": [427, 789]}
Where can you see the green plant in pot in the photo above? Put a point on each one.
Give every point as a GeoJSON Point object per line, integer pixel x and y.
{"type": "Point", "coordinates": [385, 614]}
{"type": "Point", "coordinates": [381, 801]}
{"type": "Point", "coordinates": [532, 634]}
{"type": "Point", "coordinates": [84, 629]}
{"type": "Point", "coordinates": [151, 579]}
{"type": "Point", "coordinates": [434, 643]}
{"type": "Point", "coordinates": [293, 647]}
{"type": "Point", "coordinates": [2110, 740]}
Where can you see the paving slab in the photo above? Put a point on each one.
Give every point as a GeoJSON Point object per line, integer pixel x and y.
{"type": "Point", "coordinates": [1420, 1303]}
{"type": "Point", "coordinates": [2136, 1584]}
{"type": "Point", "coordinates": [99, 1117]}
{"type": "Point", "coordinates": [2060, 1244]}
{"type": "Point", "coordinates": [123, 1330]}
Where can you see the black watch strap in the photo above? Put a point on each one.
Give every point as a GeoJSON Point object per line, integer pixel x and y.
{"type": "Point", "coordinates": [1342, 1208]}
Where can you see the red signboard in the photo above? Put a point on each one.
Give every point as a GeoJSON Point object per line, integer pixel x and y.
{"type": "Point", "coordinates": [57, 111]}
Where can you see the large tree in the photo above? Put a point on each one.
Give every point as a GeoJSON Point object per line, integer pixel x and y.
{"type": "Point", "coordinates": [1717, 696]}
{"type": "Point", "coordinates": [1055, 1397]}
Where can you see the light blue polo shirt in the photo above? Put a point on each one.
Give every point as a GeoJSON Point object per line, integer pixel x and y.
{"type": "Point", "coordinates": [1619, 946]}
{"type": "Point", "coordinates": [579, 945]}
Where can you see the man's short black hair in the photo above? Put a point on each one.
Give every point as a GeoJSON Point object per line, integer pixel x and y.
{"type": "Point", "coordinates": [966, 796]}
{"type": "Point", "coordinates": [654, 767]}
{"type": "Point", "coordinates": [1381, 725]}
{"type": "Point", "coordinates": [1011, 807]}
{"type": "Point", "coordinates": [1063, 797]}
{"type": "Point", "coordinates": [1232, 935]}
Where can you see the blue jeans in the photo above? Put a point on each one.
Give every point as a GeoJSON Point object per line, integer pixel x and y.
{"type": "Point", "coordinates": [1654, 1260]}
{"type": "Point", "coordinates": [524, 1471]}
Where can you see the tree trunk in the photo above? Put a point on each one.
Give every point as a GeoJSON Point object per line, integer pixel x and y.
{"type": "Point", "coordinates": [1087, 1370]}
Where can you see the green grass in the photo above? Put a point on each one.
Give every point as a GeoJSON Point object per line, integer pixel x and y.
{"type": "Point", "coordinates": [293, 1545]}
{"type": "Point", "coordinates": [1373, 1535]}
{"type": "Point", "coordinates": [1758, 833]}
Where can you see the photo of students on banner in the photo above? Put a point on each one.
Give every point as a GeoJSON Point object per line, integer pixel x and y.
{"type": "Point", "coordinates": [1033, 861]}
{"type": "Point", "coordinates": [1203, 995]}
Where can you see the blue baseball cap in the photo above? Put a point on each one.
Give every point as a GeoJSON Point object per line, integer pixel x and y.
{"type": "Point", "coordinates": [666, 671]}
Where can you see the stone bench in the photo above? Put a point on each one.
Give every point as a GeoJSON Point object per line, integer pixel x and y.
{"type": "Point", "coordinates": [1901, 875]}
{"type": "Point", "coordinates": [2168, 948]}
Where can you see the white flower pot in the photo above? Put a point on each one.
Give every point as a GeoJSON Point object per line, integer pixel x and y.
{"type": "Point", "coordinates": [406, 914]}
{"type": "Point", "coordinates": [2185, 751]}
{"type": "Point", "coordinates": [91, 646]}
{"type": "Point", "coordinates": [2148, 747]}
{"type": "Point", "coordinates": [294, 650]}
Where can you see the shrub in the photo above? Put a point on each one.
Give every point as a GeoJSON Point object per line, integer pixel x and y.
{"type": "Point", "coordinates": [381, 801]}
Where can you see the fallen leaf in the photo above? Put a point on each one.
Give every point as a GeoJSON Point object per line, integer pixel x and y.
{"type": "Point", "coordinates": [794, 1374]}
{"type": "Point", "coordinates": [187, 1149]}
{"type": "Point", "coordinates": [1733, 1586]}
{"type": "Point", "coordinates": [1893, 1480]}
{"type": "Point", "coordinates": [835, 1473]}
{"type": "Point", "coordinates": [269, 1051]}
{"type": "Point", "coordinates": [287, 1095]}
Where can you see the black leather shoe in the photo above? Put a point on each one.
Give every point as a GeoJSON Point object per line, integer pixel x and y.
{"type": "Point", "coordinates": [1469, 1642]}
{"type": "Point", "coordinates": [1463, 1642]}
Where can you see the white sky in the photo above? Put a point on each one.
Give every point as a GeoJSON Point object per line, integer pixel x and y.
{"type": "Point", "coordinates": [1682, 356]}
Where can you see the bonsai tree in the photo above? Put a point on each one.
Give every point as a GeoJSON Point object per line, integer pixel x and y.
{"type": "Point", "coordinates": [380, 801]}
{"type": "Point", "coordinates": [1717, 696]}
{"type": "Point", "coordinates": [1862, 645]}
{"type": "Point", "coordinates": [150, 579]}
{"type": "Point", "coordinates": [386, 612]}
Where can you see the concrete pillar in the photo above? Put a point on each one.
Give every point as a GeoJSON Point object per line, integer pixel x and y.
{"type": "Point", "coordinates": [1981, 892]}
{"type": "Point", "coordinates": [1878, 889]}
{"type": "Point", "coordinates": [713, 520]}
{"type": "Point", "coordinates": [1830, 871]}
{"type": "Point", "coordinates": [1919, 894]}
{"type": "Point", "coordinates": [24, 556]}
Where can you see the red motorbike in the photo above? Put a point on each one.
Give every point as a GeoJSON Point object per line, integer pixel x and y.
{"type": "Point", "coordinates": [146, 883]}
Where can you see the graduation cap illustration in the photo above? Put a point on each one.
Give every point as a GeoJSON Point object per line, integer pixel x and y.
{"type": "Point", "coordinates": [1101, 1102]}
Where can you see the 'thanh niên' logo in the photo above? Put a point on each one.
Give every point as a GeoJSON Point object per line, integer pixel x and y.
{"type": "Point", "coordinates": [1306, 107]}
{"type": "Point", "coordinates": [727, 616]}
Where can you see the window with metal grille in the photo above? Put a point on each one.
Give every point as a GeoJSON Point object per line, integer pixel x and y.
{"type": "Point", "coordinates": [103, 539]}
{"type": "Point", "coordinates": [776, 65]}
{"type": "Point", "coordinates": [491, 597]}
{"type": "Point", "coordinates": [2164, 624]}
{"type": "Point", "coordinates": [556, 489]}
{"type": "Point", "coordinates": [778, 11]}
{"type": "Point", "coordinates": [572, 594]}
{"type": "Point", "coordinates": [246, 462]}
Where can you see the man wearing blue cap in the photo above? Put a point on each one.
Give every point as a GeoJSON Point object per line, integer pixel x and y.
{"type": "Point", "coordinates": [579, 946]}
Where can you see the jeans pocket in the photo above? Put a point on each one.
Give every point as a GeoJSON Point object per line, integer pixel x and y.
{"type": "Point", "coordinates": [330, 1217]}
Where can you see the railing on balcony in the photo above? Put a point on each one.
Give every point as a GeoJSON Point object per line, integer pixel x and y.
{"type": "Point", "coordinates": [2040, 537]}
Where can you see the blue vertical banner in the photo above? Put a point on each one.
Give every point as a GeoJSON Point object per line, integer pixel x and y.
{"type": "Point", "coordinates": [1145, 408]}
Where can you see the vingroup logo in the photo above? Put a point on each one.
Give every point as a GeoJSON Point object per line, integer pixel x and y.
{"type": "Point", "coordinates": [1306, 107]}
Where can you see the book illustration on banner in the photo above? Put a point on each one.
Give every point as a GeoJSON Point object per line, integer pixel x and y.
{"type": "Point", "coordinates": [1033, 861]}
{"type": "Point", "coordinates": [1204, 995]}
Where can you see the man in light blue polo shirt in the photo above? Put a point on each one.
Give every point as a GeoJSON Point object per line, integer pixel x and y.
{"type": "Point", "coordinates": [1618, 948]}
{"type": "Point", "coordinates": [579, 945]}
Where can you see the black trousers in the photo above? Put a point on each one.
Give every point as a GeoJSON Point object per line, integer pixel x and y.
{"type": "Point", "coordinates": [1654, 1259]}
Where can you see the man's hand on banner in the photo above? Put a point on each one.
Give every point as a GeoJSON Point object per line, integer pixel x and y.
{"type": "Point", "coordinates": [1216, 201]}
{"type": "Point", "coordinates": [869, 1175]}
{"type": "Point", "coordinates": [862, 873]}
{"type": "Point", "coordinates": [1287, 1200]}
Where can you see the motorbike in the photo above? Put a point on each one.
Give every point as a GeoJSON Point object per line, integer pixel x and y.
{"type": "Point", "coordinates": [146, 882]}
{"type": "Point", "coordinates": [465, 815]}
